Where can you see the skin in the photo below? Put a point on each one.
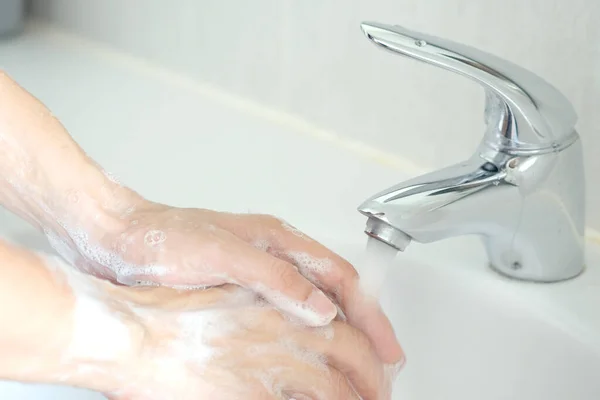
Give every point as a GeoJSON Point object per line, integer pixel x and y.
{"type": "Point", "coordinates": [256, 352]}
{"type": "Point", "coordinates": [46, 178]}
{"type": "Point", "coordinates": [109, 231]}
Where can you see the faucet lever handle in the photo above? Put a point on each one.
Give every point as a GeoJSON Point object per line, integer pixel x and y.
{"type": "Point", "coordinates": [524, 113]}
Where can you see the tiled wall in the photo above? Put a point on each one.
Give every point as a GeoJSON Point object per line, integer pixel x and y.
{"type": "Point", "coordinates": [310, 58]}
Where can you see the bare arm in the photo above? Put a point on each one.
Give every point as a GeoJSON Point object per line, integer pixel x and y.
{"type": "Point", "coordinates": [45, 177]}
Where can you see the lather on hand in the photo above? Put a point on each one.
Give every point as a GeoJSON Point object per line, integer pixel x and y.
{"type": "Point", "coordinates": [148, 343]}
{"type": "Point", "coordinates": [110, 231]}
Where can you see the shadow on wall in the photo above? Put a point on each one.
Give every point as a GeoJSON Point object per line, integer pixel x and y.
{"type": "Point", "coordinates": [12, 13]}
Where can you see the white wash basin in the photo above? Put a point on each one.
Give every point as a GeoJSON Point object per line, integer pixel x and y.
{"type": "Point", "coordinates": [469, 333]}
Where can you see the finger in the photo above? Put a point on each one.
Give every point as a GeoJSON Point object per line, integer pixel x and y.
{"type": "Point", "coordinates": [336, 276]}
{"type": "Point", "coordinates": [350, 352]}
{"type": "Point", "coordinates": [183, 300]}
{"type": "Point", "coordinates": [327, 270]}
{"type": "Point", "coordinates": [315, 383]}
{"type": "Point", "coordinates": [278, 281]}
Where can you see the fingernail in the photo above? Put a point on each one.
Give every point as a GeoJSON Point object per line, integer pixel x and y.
{"type": "Point", "coordinates": [393, 370]}
{"type": "Point", "coordinates": [322, 305]}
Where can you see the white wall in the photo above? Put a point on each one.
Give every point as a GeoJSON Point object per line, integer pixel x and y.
{"type": "Point", "coordinates": [309, 57]}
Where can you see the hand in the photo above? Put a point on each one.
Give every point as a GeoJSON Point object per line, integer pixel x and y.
{"type": "Point", "coordinates": [186, 248]}
{"type": "Point", "coordinates": [158, 343]}
{"type": "Point", "coordinates": [224, 343]}
{"type": "Point", "coordinates": [108, 230]}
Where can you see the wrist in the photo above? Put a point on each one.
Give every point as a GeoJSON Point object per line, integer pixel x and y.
{"type": "Point", "coordinates": [88, 210]}
{"type": "Point", "coordinates": [99, 340]}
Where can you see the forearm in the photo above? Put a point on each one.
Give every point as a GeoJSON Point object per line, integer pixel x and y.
{"type": "Point", "coordinates": [54, 329]}
{"type": "Point", "coordinates": [45, 177]}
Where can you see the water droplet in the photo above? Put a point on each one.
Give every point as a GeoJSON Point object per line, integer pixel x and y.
{"type": "Point", "coordinates": [420, 43]}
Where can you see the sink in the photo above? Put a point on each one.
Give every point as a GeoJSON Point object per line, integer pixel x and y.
{"type": "Point", "coordinates": [469, 333]}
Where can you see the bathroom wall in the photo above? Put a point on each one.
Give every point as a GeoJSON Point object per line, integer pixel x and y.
{"type": "Point", "coordinates": [309, 58]}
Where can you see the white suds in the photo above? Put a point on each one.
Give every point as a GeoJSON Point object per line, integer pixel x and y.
{"type": "Point", "coordinates": [98, 333]}
{"type": "Point", "coordinates": [111, 177]}
{"type": "Point", "coordinates": [308, 265]}
{"type": "Point", "coordinates": [145, 283]}
{"type": "Point", "coordinates": [267, 378]}
{"type": "Point", "coordinates": [61, 247]}
{"type": "Point", "coordinates": [148, 270]}
{"type": "Point", "coordinates": [196, 330]}
{"type": "Point", "coordinates": [326, 331]}
{"type": "Point", "coordinates": [316, 360]}
{"type": "Point", "coordinates": [295, 231]}
{"type": "Point", "coordinates": [188, 287]}
{"type": "Point", "coordinates": [261, 244]}
{"type": "Point", "coordinates": [124, 271]}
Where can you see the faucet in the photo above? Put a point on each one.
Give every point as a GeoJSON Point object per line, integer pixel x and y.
{"type": "Point", "coordinates": [522, 191]}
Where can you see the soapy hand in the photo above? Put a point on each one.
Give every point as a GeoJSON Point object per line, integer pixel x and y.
{"type": "Point", "coordinates": [225, 343]}
{"type": "Point", "coordinates": [192, 248]}
{"type": "Point", "coordinates": [221, 343]}
{"type": "Point", "coordinates": [148, 343]}
{"type": "Point", "coordinates": [108, 230]}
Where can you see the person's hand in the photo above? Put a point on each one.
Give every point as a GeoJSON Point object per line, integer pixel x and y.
{"type": "Point", "coordinates": [108, 230]}
{"type": "Point", "coordinates": [225, 343]}
{"type": "Point", "coordinates": [154, 244]}
{"type": "Point", "coordinates": [151, 343]}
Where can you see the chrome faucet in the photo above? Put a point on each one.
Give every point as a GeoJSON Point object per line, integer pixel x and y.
{"type": "Point", "coordinates": [523, 189]}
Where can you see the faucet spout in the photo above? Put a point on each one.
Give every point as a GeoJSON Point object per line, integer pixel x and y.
{"type": "Point", "coordinates": [424, 208]}
{"type": "Point", "coordinates": [409, 206]}
{"type": "Point", "coordinates": [528, 210]}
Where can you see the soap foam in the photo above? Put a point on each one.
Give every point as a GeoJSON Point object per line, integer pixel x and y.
{"type": "Point", "coordinates": [295, 231]}
{"type": "Point", "coordinates": [124, 272]}
{"type": "Point", "coordinates": [315, 360]}
{"type": "Point", "coordinates": [309, 266]}
{"type": "Point", "coordinates": [261, 244]}
{"type": "Point", "coordinates": [98, 334]}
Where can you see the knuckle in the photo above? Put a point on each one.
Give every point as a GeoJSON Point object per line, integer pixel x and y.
{"type": "Point", "coordinates": [353, 336]}
{"type": "Point", "coordinates": [286, 275]}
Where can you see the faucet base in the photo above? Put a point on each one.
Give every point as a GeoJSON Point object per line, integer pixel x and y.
{"type": "Point", "coordinates": [530, 261]}
{"type": "Point", "coordinates": [501, 272]}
